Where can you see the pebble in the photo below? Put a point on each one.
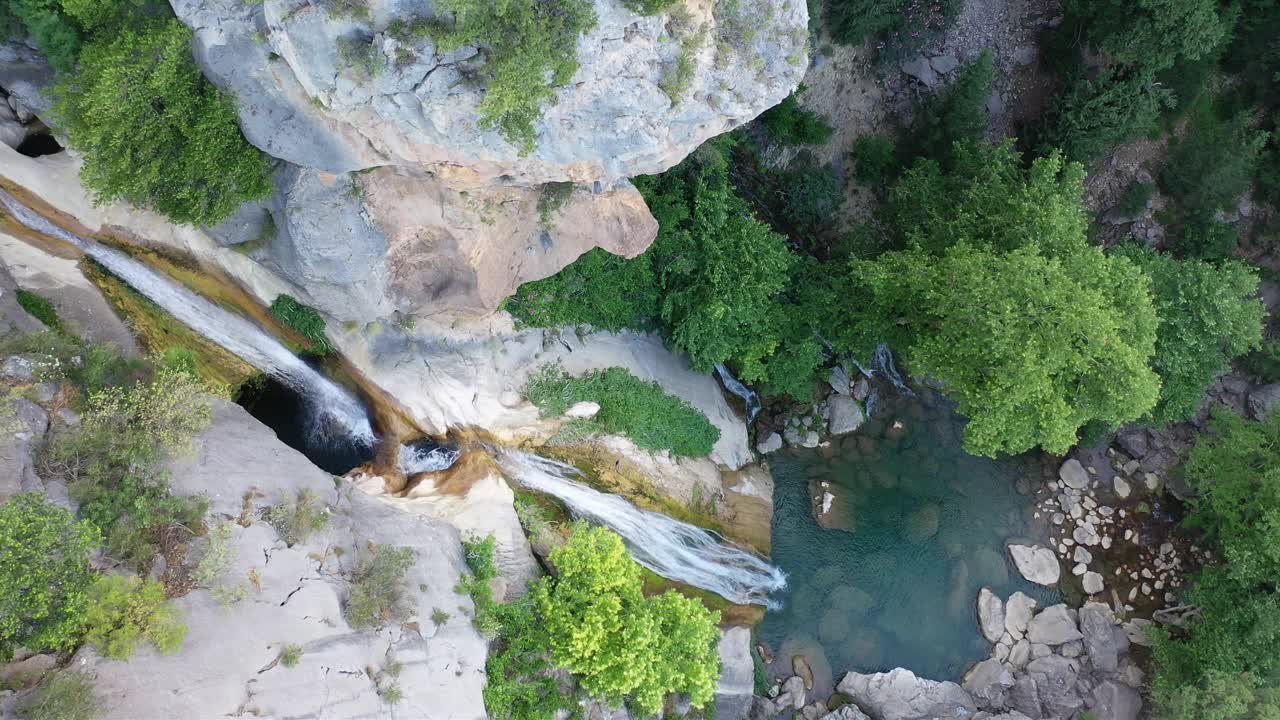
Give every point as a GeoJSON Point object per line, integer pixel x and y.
{"type": "Point", "coordinates": [1133, 593]}
{"type": "Point", "coordinates": [1106, 542]}
{"type": "Point", "coordinates": [1058, 518]}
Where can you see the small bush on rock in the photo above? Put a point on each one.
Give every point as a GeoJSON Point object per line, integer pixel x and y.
{"type": "Point", "coordinates": [126, 610]}
{"type": "Point", "coordinates": [40, 309]}
{"type": "Point", "coordinates": [44, 575]}
{"type": "Point", "coordinates": [377, 588]}
{"type": "Point", "coordinates": [789, 124]}
{"type": "Point", "coordinates": [291, 656]}
{"type": "Point", "coordinates": [296, 519]}
{"type": "Point", "coordinates": [875, 159]}
{"type": "Point", "coordinates": [629, 406]}
{"type": "Point", "coordinates": [305, 321]}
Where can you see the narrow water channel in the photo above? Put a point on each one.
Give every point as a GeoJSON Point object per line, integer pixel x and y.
{"type": "Point", "coordinates": [916, 527]}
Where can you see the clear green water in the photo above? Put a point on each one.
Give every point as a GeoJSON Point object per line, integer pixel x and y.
{"type": "Point", "coordinates": [925, 526]}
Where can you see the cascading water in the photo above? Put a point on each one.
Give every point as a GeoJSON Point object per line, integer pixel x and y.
{"type": "Point", "coordinates": [336, 415]}
{"type": "Point", "coordinates": [673, 549]}
{"type": "Point", "coordinates": [882, 364]}
{"type": "Point", "coordinates": [426, 456]}
{"type": "Point", "coordinates": [735, 386]}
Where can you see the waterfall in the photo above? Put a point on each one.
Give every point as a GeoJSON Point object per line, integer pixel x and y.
{"type": "Point", "coordinates": [733, 385]}
{"type": "Point", "coordinates": [673, 549]}
{"type": "Point", "coordinates": [882, 364]}
{"type": "Point", "coordinates": [426, 456]}
{"type": "Point", "coordinates": [336, 414]}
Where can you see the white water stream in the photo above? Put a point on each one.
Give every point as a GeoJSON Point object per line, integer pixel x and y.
{"type": "Point", "coordinates": [673, 549]}
{"type": "Point", "coordinates": [335, 412]}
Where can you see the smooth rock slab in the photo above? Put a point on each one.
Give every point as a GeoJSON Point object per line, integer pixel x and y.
{"type": "Point", "coordinates": [900, 695]}
{"type": "Point", "coordinates": [1037, 564]}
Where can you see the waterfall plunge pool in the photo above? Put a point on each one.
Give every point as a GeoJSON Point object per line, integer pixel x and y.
{"type": "Point", "coordinates": [919, 526]}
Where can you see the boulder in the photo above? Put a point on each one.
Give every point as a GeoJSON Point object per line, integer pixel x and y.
{"type": "Point", "coordinates": [1023, 697]}
{"type": "Point", "coordinates": [1053, 626]}
{"type": "Point", "coordinates": [1073, 474]}
{"type": "Point", "coordinates": [1262, 400]}
{"type": "Point", "coordinates": [28, 671]}
{"type": "Point", "coordinates": [1133, 441]}
{"type": "Point", "coordinates": [584, 410]}
{"type": "Point", "coordinates": [990, 615]}
{"type": "Point", "coordinates": [800, 667]}
{"type": "Point", "coordinates": [987, 683]}
{"type": "Point", "coordinates": [920, 69]}
{"type": "Point", "coordinates": [1018, 612]}
{"type": "Point", "coordinates": [848, 711]}
{"type": "Point", "coordinates": [1114, 701]}
{"type": "Point", "coordinates": [24, 426]}
{"type": "Point", "coordinates": [944, 63]}
{"type": "Point", "coordinates": [839, 380]}
{"type": "Point", "coordinates": [772, 442]}
{"type": "Point", "coordinates": [1103, 640]}
{"type": "Point", "coordinates": [861, 389]}
{"type": "Point", "coordinates": [1056, 685]}
{"type": "Point", "coordinates": [1020, 654]}
{"type": "Point", "coordinates": [792, 695]}
{"type": "Point", "coordinates": [1121, 486]}
{"type": "Point", "coordinates": [900, 695]}
{"type": "Point", "coordinates": [845, 414]}
{"type": "Point", "coordinates": [1037, 564]}
{"type": "Point", "coordinates": [1092, 582]}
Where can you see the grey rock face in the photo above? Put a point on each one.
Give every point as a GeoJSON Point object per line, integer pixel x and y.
{"type": "Point", "coordinates": [22, 434]}
{"type": "Point", "coordinates": [733, 693]}
{"type": "Point", "coordinates": [846, 414]}
{"type": "Point", "coordinates": [900, 695]}
{"type": "Point", "coordinates": [299, 101]}
{"type": "Point", "coordinates": [1053, 626]}
{"type": "Point", "coordinates": [228, 657]}
{"type": "Point", "coordinates": [1262, 400]}
{"type": "Point", "coordinates": [990, 615]}
{"type": "Point", "coordinates": [846, 712]}
{"type": "Point", "coordinates": [1037, 564]}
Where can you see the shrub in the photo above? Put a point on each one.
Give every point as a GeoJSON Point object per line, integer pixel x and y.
{"type": "Point", "coordinates": [599, 289]}
{"type": "Point", "coordinates": [1204, 238]}
{"type": "Point", "coordinates": [291, 655]}
{"type": "Point", "coordinates": [66, 695]}
{"type": "Point", "coordinates": [363, 55]}
{"type": "Point", "coordinates": [40, 309]}
{"type": "Point", "coordinates": [619, 643]}
{"type": "Point", "coordinates": [531, 48]}
{"type": "Point", "coordinates": [552, 199]}
{"type": "Point", "coordinates": [305, 321]}
{"type": "Point", "coordinates": [629, 406]}
{"type": "Point", "coordinates": [112, 461]}
{"type": "Point", "coordinates": [649, 7]}
{"type": "Point", "coordinates": [1094, 113]}
{"type": "Point", "coordinates": [124, 610]}
{"type": "Point", "coordinates": [439, 617]}
{"type": "Point", "coordinates": [377, 588]}
{"type": "Point", "coordinates": [56, 34]}
{"type": "Point", "coordinates": [678, 75]}
{"type": "Point", "coordinates": [392, 695]}
{"type": "Point", "coordinates": [297, 519]}
{"type": "Point", "coordinates": [1213, 165]}
{"type": "Point", "coordinates": [44, 575]}
{"type": "Point", "coordinates": [875, 159]}
{"type": "Point", "coordinates": [354, 9]}
{"type": "Point", "coordinates": [789, 124]}
{"type": "Point", "coordinates": [1208, 314]}
{"type": "Point", "coordinates": [154, 131]}
{"type": "Point", "coordinates": [479, 557]}
{"type": "Point", "coordinates": [1221, 696]}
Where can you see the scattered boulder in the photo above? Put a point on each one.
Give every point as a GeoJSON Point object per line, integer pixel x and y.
{"type": "Point", "coordinates": [1037, 564]}
{"type": "Point", "coordinates": [1103, 641]}
{"type": "Point", "coordinates": [1263, 399]}
{"type": "Point", "coordinates": [1114, 701]}
{"type": "Point", "coordinates": [987, 682]}
{"type": "Point", "coordinates": [1073, 474]}
{"type": "Point", "coordinates": [990, 615]}
{"type": "Point", "coordinates": [861, 389]}
{"type": "Point", "coordinates": [944, 63]}
{"type": "Point", "coordinates": [1092, 582]}
{"type": "Point", "coordinates": [584, 410]}
{"type": "Point", "coordinates": [792, 695]}
{"type": "Point", "coordinates": [845, 414]}
{"type": "Point", "coordinates": [839, 380]}
{"type": "Point", "coordinates": [1053, 626]}
{"type": "Point", "coordinates": [1121, 486]}
{"type": "Point", "coordinates": [772, 442]}
{"type": "Point", "coordinates": [1018, 612]}
{"type": "Point", "coordinates": [900, 695]}
{"type": "Point", "coordinates": [920, 69]}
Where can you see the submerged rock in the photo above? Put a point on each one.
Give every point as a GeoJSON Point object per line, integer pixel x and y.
{"type": "Point", "coordinates": [1073, 474]}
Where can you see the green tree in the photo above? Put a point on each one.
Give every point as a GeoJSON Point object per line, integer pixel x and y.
{"type": "Point", "coordinates": [56, 34]}
{"type": "Point", "coordinates": [1235, 468]}
{"type": "Point", "coordinates": [154, 131]}
{"type": "Point", "coordinates": [1031, 347]}
{"type": "Point", "coordinates": [1221, 696]}
{"type": "Point", "coordinates": [1213, 165]}
{"type": "Point", "coordinates": [958, 113]}
{"type": "Point", "coordinates": [1209, 315]}
{"type": "Point", "coordinates": [603, 629]}
{"type": "Point", "coordinates": [789, 124]}
{"type": "Point", "coordinates": [44, 575]}
{"type": "Point", "coordinates": [125, 610]}
{"type": "Point", "coordinates": [1156, 34]}
{"type": "Point", "coordinates": [599, 290]}
{"type": "Point", "coordinates": [1093, 113]}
